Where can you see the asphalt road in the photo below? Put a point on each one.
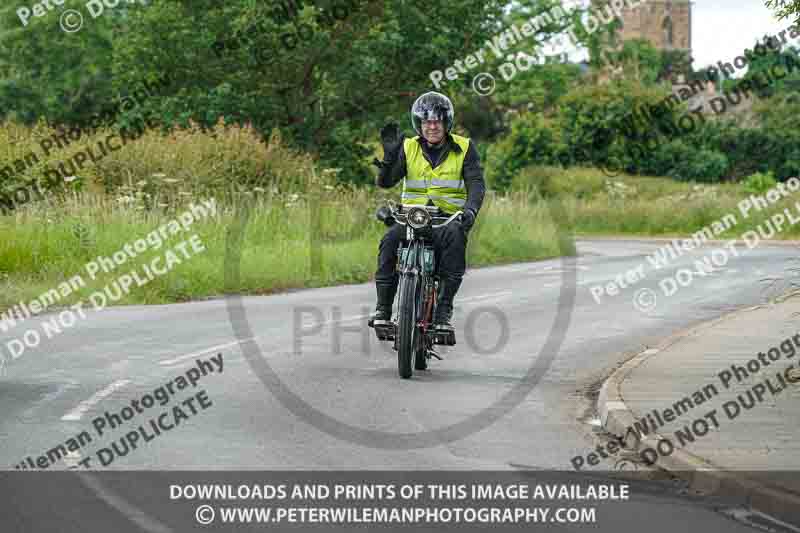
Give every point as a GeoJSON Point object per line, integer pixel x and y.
{"type": "Point", "coordinates": [320, 349]}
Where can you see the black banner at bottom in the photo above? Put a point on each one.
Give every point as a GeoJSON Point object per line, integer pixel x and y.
{"type": "Point", "coordinates": [179, 501]}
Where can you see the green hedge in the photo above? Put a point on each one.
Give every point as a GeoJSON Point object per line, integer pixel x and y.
{"type": "Point", "coordinates": [601, 126]}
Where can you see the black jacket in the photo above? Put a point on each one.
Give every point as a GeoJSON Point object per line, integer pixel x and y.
{"type": "Point", "coordinates": [393, 168]}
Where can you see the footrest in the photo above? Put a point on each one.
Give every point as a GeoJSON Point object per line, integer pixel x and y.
{"type": "Point", "coordinates": [385, 332]}
{"type": "Point", "coordinates": [446, 338]}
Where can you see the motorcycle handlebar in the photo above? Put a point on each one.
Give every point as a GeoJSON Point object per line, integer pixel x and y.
{"type": "Point", "coordinates": [389, 215]}
{"type": "Point", "coordinates": [449, 220]}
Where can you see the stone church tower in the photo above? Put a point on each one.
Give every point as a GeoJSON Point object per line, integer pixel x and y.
{"type": "Point", "coordinates": [667, 24]}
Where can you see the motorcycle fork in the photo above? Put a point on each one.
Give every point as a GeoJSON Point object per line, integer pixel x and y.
{"type": "Point", "coordinates": [430, 302]}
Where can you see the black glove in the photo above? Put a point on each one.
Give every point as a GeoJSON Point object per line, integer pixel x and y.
{"type": "Point", "coordinates": [392, 140]}
{"type": "Point", "coordinates": [384, 214]}
{"type": "Point", "coordinates": [467, 219]}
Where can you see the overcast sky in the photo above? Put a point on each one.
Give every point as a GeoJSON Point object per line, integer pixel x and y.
{"type": "Point", "coordinates": [722, 29]}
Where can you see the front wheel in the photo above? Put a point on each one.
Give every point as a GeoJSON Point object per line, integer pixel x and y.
{"type": "Point", "coordinates": [407, 325]}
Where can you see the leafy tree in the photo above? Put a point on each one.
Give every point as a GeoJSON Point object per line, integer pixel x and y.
{"type": "Point", "coordinates": [639, 59]}
{"type": "Point", "coordinates": [760, 66]}
{"type": "Point", "coordinates": [785, 8]}
{"type": "Point", "coordinates": [526, 79]}
{"type": "Point", "coordinates": [675, 62]}
{"type": "Point", "coordinates": [327, 76]}
{"type": "Point", "coordinates": [45, 71]}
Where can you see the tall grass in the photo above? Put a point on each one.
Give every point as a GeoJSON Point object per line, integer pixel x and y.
{"type": "Point", "coordinates": [288, 242]}
{"type": "Point", "coordinates": [304, 229]}
{"type": "Point", "coordinates": [647, 206]}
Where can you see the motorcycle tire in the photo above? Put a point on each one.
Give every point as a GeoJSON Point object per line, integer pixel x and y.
{"type": "Point", "coordinates": [407, 325]}
{"type": "Point", "coordinates": [420, 361]}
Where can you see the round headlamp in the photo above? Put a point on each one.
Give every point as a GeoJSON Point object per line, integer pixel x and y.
{"type": "Point", "coordinates": [418, 218]}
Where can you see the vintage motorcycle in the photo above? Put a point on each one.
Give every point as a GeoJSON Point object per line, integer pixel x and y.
{"type": "Point", "coordinates": [412, 329]}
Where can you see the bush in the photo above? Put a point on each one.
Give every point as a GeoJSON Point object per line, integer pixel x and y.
{"type": "Point", "coordinates": [541, 181]}
{"type": "Point", "coordinates": [685, 162]}
{"type": "Point", "coordinates": [221, 160]}
{"type": "Point", "coordinates": [594, 126]}
{"type": "Point", "coordinates": [532, 139]}
{"type": "Point", "coordinates": [599, 121]}
{"type": "Point", "coordinates": [759, 182]}
{"type": "Point", "coordinates": [224, 161]}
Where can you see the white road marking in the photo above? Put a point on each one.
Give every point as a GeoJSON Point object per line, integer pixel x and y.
{"type": "Point", "coordinates": [331, 321]}
{"type": "Point", "coordinates": [97, 397]}
{"type": "Point", "coordinates": [204, 351]}
{"type": "Point", "coordinates": [182, 358]}
{"type": "Point", "coordinates": [132, 513]}
{"type": "Point", "coordinates": [550, 272]}
{"type": "Point", "coordinates": [350, 319]}
{"type": "Point", "coordinates": [484, 296]}
{"type": "Point", "coordinates": [72, 458]}
{"type": "Point", "coordinates": [48, 398]}
{"type": "Point", "coordinates": [616, 406]}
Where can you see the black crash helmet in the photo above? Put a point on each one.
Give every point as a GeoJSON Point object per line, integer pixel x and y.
{"type": "Point", "coordinates": [432, 106]}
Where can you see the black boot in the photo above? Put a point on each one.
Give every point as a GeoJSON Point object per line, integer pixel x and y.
{"type": "Point", "coordinates": [444, 304]}
{"type": "Point", "coordinates": [383, 311]}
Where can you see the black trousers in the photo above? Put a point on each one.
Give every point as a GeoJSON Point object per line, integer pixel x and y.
{"type": "Point", "coordinates": [450, 244]}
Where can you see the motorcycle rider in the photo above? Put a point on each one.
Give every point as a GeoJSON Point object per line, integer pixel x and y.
{"type": "Point", "coordinates": [438, 168]}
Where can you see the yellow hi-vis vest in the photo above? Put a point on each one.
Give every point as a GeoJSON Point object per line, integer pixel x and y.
{"type": "Point", "coordinates": [443, 185]}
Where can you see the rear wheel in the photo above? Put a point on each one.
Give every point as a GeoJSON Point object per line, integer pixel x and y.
{"type": "Point", "coordinates": [420, 362]}
{"type": "Point", "coordinates": [407, 338]}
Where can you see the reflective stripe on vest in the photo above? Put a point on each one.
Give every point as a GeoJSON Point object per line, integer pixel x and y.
{"type": "Point", "coordinates": [442, 185]}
